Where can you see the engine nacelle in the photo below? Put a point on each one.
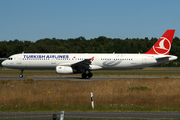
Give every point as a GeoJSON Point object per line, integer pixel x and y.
{"type": "Point", "coordinates": [64, 70]}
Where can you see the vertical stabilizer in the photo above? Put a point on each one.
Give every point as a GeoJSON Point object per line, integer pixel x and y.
{"type": "Point", "coordinates": [163, 45]}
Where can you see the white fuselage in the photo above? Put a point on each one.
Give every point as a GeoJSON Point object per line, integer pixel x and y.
{"type": "Point", "coordinates": [100, 61]}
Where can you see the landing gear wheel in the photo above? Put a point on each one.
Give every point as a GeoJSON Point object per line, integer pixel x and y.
{"type": "Point", "coordinates": [20, 76]}
{"type": "Point", "coordinates": [84, 75]}
{"type": "Point", "coordinates": [89, 75]}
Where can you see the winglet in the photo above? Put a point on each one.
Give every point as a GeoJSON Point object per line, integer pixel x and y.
{"type": "Point", "coordinates": [92, 58]}
{"type": "Point", "coordinates": [163, 45]}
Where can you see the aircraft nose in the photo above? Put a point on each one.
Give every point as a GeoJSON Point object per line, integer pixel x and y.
{"type": "Point", "coordinates": [3, 63]}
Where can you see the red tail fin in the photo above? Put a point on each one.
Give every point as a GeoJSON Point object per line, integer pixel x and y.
{"type": "Point", "coordinates": [163, 45]}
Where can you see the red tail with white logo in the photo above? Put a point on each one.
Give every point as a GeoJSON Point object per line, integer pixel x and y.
{"type": "Point", "coordinates": [163, 45]}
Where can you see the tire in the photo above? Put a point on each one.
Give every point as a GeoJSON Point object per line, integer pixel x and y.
{"type": "Point", "coordinates": [84, 75]}
{"type": "Point", "coordinates": [20, 76]}
{"type": "Point", "coordinates": [89, 75]}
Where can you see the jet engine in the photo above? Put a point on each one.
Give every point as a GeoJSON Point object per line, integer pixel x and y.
{"type": "Point", "coordinates": [64, 70]}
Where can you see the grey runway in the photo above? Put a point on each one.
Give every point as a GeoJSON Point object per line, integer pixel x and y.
{"type": "Point", "coordinates": [102, 115]}
{"type": "Point", "coordinates": [77, 78]}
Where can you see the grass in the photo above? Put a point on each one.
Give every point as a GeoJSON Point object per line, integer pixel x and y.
{"type": "Point", "coordinates": [109, 95]}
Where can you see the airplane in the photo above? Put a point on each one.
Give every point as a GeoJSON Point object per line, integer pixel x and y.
{"type": "Point", "coordinates": [70, 63]}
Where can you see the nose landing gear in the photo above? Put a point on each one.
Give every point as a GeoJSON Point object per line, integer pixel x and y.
{"type": "Point", "coordinates": [21, 75]}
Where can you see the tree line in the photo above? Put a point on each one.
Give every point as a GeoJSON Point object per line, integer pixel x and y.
{"type": "Point", "coordinates": [81, 45]}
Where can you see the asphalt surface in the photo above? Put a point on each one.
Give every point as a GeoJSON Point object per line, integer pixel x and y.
{"type": "Point", "coordinates": [76, 78]}
{"type": "Point", "coordinates": [103, 115]}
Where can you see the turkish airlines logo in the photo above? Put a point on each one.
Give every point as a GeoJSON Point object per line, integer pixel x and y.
{"type": "Point", "coordinates": [163, 47]}
{"type": "Point", "coordinates": [92, 58]}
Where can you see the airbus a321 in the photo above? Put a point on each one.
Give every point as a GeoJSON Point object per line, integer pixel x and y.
{"type": "Point", "coordinates": [70, 63]}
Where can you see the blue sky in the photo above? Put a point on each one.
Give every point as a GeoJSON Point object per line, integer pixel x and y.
{"type": "Point", "coordinates": [38, 19]}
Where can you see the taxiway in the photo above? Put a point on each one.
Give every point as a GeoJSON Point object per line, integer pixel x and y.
{"type": "Point", "coordinates": [75, 78]}
{"type": "Point", "coordinates": [106, 115]}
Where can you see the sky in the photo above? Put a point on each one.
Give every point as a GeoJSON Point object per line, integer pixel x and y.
{"type": "Point", "coordinates": [31, 20]}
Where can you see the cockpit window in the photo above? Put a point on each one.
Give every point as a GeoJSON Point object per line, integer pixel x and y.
{"type": "Point", "coordinates": [10, 58]}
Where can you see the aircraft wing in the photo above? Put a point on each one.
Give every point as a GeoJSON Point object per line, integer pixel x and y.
{"type": "Point", "coordinates": [81, 64]}
{"type": "Point", "coordinates": [84, 62]}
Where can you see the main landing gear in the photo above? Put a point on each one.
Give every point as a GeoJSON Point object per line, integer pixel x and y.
{"type": "Point", "coordinates": [89, 75]}
{"type": "Point", "coordinates": [21, 75]}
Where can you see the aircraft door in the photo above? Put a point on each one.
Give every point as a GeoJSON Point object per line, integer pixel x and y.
{"type": "Point", "coordinates": [53, 61]}
{"type": "Point", "coordinates": [144, 60]}
{"type": "Point", "coordinates": [96, 60]}
{"type": "Point", "coordinates": [19, 59]}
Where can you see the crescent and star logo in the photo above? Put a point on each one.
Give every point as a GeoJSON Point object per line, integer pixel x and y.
{"type": "Point", "coordinates": [163, 47]}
